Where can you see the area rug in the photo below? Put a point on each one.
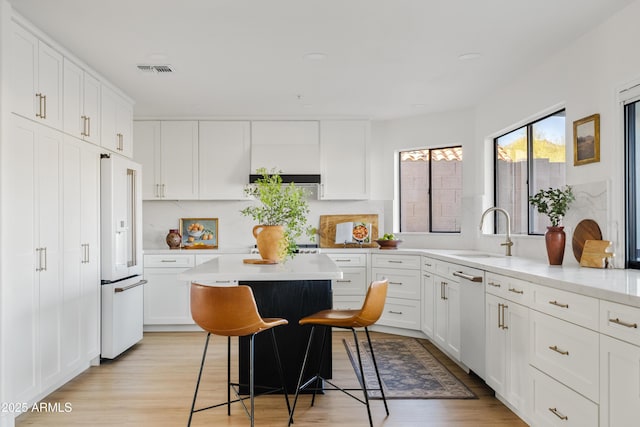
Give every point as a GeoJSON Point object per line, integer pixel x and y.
{"type": "Point", "coordinates": [407, 370]}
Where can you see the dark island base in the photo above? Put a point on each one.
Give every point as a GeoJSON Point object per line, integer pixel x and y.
{"type": "Point", "coordinates": [291, 300]}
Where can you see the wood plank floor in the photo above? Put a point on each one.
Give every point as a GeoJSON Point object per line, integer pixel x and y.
{"type": "Point", "coordinates": [152, 385]}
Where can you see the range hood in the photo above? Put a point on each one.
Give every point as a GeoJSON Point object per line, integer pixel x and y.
{"type": "Point", "coordinates": [298, 179]}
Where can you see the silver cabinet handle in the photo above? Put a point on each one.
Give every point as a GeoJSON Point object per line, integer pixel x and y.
{"type": "Point", "coordinates": [395, 312]}
{"type": "Point", "coordinates": [44, 116]}
{"type": "Point", "coordinates": [393, 261]}
{"type": "Point", "coordinates": [556, 303]}
{"type": "Point", "coordinates": [494, 284]}
{"type": "Point", "coordinates": [39, 252]}
{"type": "Point", "coordinates": [169, 260]}
{"type": "Point", "coordinates": [620, 322]}
{"type": "Point", "coordinates": [343, 260]}
{"type": "Point", "coordinates": [516, 291]}
{"type": "Point", "coordinates": [443, 290]}
{"type": "Point", "coordinates": [343, 281]}
{"type": "Point", "coordinates": [504, 306]}
{"type": "Point", "coordinates": [44, 250]}
{"type": "Point", "coordinates": [88, 126]}
{"type": "Point", "coordinates": [468, 276]}
{"type": "Point", "coordinates": [395, 283]}
{"type": "Point", "coordinates": [558, 414]}
{"type": "Point", "coordinates": [84, 126]}
{"type": "Point", "coordinates": [428, 265]}
{"type": "Point", "coordinates": [557, 350]}
{"type": "Point", "coordinates": [223, 281]}
{"type": "Point", "coordinates": [163, 191]}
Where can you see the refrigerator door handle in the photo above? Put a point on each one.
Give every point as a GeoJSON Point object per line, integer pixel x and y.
{"type": "Point", "coordinates": [133, 232]}
{"type": "Point", "coordinates": [126, 288]}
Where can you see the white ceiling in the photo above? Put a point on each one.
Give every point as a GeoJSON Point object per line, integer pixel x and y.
{"type": "Point", "coordinates": [246, 58]}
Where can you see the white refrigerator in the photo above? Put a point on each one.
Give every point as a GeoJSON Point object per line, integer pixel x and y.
{"type": "Point", "coordinates": [121, 241]}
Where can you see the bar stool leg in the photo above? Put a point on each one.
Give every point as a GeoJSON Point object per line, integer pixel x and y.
{"type": "Point", "coordinates": [195, 394]}
{"type": "Point", "coordinates": [318, 377]}
{"type": "Point", "coordinates": [228, 376]}
{"type": "Point", "coordinates": [304, 365]}
{"type": "Point", "coordinates": [375, 365]}
{"type": "Point", "coordinates": [362, 380]}
{"type": "Point", "coordinates": [251, 374]}
{"type": "Point", "coordinates": [280, 371]}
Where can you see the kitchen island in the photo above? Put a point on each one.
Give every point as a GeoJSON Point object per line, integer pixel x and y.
{"type": "Point", "coordinates": [292, 290]}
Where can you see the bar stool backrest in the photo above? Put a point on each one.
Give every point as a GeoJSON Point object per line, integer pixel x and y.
{"type": "Point", "coordinates": [225, 310]}
{"type": "Point", "coordinates": [373, 304]}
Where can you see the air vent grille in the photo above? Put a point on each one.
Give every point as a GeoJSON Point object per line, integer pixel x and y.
{"type": "Point", "coordinates": [155, 69]}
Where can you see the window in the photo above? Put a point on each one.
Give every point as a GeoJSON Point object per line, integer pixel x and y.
{"type": "Point", "coordinates": [528, 159]}
{"type": "Point", "coordinates": [632, 156]}
{"type": "Point", "coordinates": [431, 190]}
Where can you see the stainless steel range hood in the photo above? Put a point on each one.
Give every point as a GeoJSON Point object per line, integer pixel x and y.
{"type": "Point", "coordinates": [310, 182]}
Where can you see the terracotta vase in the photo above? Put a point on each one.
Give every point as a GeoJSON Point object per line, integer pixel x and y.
{"type": "Point", "coordinates": [555, 239]}
{"type": "Point", "coordinates": [174, 239]}
{"type": "Point", "coordinates": [271, 242]}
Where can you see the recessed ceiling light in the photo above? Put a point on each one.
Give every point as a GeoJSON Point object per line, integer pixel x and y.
{"type": "Point", "coordinates": [469, 56]}
{"type": "Point", "coordinates": [315, 56]}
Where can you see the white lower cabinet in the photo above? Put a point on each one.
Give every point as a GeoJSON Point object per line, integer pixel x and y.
{"type": "Point", "coordinates": [166, 299]}
{"type": "Point", "coordinates": [403, 306]}
{"type": "Point", "coordinates": [507, 351]}
{"type": "Point", "coordinates": [428, 303]}
{"type": "Point", "coordinates": [349, 292]}
{"type": "Point", "coordinates": [554, 404]}
{"type": "Point", "coordinates": [447, 317]}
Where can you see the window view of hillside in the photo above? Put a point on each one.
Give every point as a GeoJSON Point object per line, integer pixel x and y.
{"type": "Point", "coordinates": [528, 159]}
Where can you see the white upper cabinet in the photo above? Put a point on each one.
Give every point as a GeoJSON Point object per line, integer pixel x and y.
{"type": "Point", "coordinates": [147, 153]}
{"type": "Point", "coordinates": [81, 103]}
{"type": "Point", "coordinates": [36, 78]}
{"type": "Point", "coordinates": [344, 159]}
{"type": "Point", "coordinates": [223, 159]}
{"type": "Point", "coordinates": [116, 122]}
{"type": "Point", "coordinates": [289, 146]}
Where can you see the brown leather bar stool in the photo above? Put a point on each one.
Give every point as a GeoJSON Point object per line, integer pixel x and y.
{"type": "Point", "coordinates": [231, 311]}
{"type": "Point", "coordinates": [347, 319]}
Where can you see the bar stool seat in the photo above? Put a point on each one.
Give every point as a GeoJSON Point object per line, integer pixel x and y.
{"type": "Point", "coordinates": [231, 311]}
{"type": "Point", "coordinates": [364, 317]}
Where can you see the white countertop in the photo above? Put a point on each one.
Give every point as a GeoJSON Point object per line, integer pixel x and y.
{"type": "Point", "coordinates": [230, 268]}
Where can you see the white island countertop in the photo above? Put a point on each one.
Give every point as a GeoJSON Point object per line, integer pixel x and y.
{"type": "Point", "coordinates": [227, 268]}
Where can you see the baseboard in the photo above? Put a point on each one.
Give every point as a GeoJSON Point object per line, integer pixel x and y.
{"type": "Point", "coordinates": [172, 328]}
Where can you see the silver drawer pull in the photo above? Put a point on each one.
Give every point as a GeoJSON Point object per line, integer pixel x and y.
{"type": "Point", "coordinates": [223, 281]}
{"type": "Point", "coordinates": [395, 283]}
{"type": "Point", "coordinates": [395, 312]}
{"type": "Point", "coordinates": [557, 350]}
{"type": "Point", "coordinates": [515, 291]}
{"type": "Point", "coordinates": [468, 277]}
{"type": "Point", "coordinates": [620, 322]}
{"type": "Point", "coordinates": [494, 284]}
{"type": "Point", "coordinates": [395, 261]}
{"type": "Point", "coordinates": [343, 281]}
{"type": "Point", "coordinates": [169, 260]}
{"type": "Point", "coordinates": [556, 303]}
{"type": "Point", "coordinates": [343, 260]}
{"type": "Point", "coordinates": [558, 414]}
{"type": "Point", "coordinates": [428, 265]}
{"type": "Point", "coordinates": [426, 276]}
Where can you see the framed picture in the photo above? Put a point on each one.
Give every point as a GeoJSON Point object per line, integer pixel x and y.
{"type": "Point", "coordinates": [199, 233]}
{"type": "Point", "coordinates": [586, 140]}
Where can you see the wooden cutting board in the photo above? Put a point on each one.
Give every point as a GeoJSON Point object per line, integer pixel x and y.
{"type": "Point", "coordinates": [587, 229]}
{"type": "Point", "coordinates": [594, 253]}
{"type": "Point", "coordinates": [327, 230]}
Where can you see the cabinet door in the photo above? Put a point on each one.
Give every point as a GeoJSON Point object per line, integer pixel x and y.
{"type": "Point", "coordinates": [73, 105]}
{"type": "Point", "coordinates": [109, 138]}
{"type": "Point", "coordinates": [344, 159]}
{"type": "Point", "coordinates": [166, 299]}
{"type": "Point", "coordinates": [452, 290]}
{"type": "Point", "coordinates": [441, 315]}
{"type": "Point", "coordinates": [428, 304]}
{"type": "Point", "coordinates": [124, 126]}
{"type": "Point", "coordinates": [147, 153]}
{"type": "Point", "coordinates": [91, 105]}
{"type": "Point", "coordinates": [179, 159]}
{"type": "Point", "coordinates": [495, 370]}
{"type": "Point", "coordinates": [24, 66]}
{"type": "Point", "coordinates": [517, 356]}
{"type": "Point", "coordinates": [619, 383]}
{"type": "Point", "coordinates": [291, 146]}
{"type": "Point", "coordinates": [224, 161]}
{"type": "Point", "coordinates": [50, 85]}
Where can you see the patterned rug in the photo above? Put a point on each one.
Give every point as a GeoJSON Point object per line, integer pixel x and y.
{"type": "Point", "coordinates": [407, 370]}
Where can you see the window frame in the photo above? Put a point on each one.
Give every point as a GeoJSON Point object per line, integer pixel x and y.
{"type": "Point", "coordinates": [529, 132]}
{"type": "Point", "coordinates": [631, 194]}
{"type": "Point", "coordinates": [429, 190]}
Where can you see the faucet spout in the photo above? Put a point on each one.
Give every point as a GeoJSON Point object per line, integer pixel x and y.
{"type": "Point", "coordinates": [507, 243]}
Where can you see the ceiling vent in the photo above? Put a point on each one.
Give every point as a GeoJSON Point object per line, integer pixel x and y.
{"type": "Point", "coordinates": [155, 69]}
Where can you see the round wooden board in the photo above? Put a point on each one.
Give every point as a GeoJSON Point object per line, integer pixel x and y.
{"type": "Point", "coordinates": [587, 229]}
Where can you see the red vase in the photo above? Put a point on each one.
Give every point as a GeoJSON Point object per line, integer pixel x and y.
{"type": "Point", "coordinates": [555, 239]}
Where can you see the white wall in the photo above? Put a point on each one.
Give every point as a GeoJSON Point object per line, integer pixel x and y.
{"type": "Point", "coordinates": [585, 78]}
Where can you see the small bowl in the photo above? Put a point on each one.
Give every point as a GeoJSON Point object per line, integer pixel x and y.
{"type": "Point", "coordinates": [196, 234]}
{"type": "Point", "coordinates": [388, 244]}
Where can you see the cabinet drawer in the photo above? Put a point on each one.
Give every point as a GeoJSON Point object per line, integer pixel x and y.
{"type": "Point", "coordinates": [349, 302]}
{"type": "Point", "coordinates": [515, 290]}
{"type": "Point", "coordinates": [429, 264]}
{"type": "Point", "coordinates": [402, 283]}
{"type": "Point", "coordinates": [566, 352]}
{"type": "Point", "coordinates": [553, 404]}
{"type": "Point", "coordinates": [395, 261]}
{"type": "Point", "coordinates": [620, 321]}
{"type": "Point", "coordinates": [169, 261]}
{"type": "Point", "coordinates": [353, 282]}
{"type": "Point", "coordinates": [578, 309]}
{"type": "Point", "coordinates": [349, 260]}
{"type": "Point", "coordinates": [401, 313]}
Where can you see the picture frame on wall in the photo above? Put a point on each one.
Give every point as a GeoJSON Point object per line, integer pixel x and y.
{"type": "Point", "coordinates": [199, 233]}
{"type": "Point", "coordinates": [586, 140]}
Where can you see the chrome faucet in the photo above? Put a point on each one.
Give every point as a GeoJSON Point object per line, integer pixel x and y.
{"type": "Point", "coordinates": [508, 243]}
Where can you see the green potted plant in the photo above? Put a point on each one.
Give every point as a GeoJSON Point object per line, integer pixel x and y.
{"type": "Point", "coordinates": [281, 215]}
{"type": "Point", "coordinates": [554, 202]}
